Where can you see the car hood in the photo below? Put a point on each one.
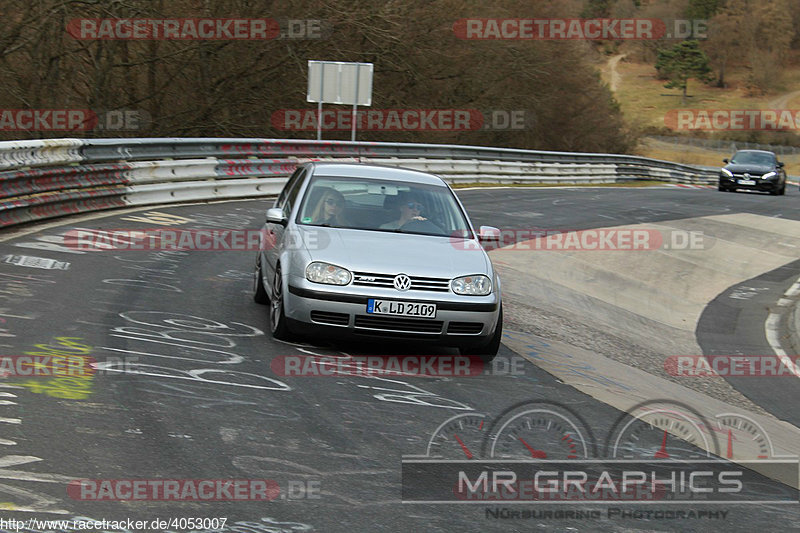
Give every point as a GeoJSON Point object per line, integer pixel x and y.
{"type": "Point", "coordinates": [389, 253]}
{"type": "Point", "coordinates": [756, 170]}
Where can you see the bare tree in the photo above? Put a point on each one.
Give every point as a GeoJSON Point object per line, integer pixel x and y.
{"type": "Point", "coordinates": [232, 88]}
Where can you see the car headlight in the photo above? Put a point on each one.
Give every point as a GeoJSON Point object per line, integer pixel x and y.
{"type": "Point", "coordinates": [319, 272]}
{"type": "Point", "coordinates": [477, 285]}
{"type": "Point", "coordinates": [769, 175]}
{"type": "Point", "coordinates": [726, 172]}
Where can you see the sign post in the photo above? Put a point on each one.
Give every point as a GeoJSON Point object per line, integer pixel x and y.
{"type": "Point", "coordinates": [337, 82]}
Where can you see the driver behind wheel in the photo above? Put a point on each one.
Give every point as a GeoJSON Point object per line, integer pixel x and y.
{"type": "Point", "coordinates": [411, 208]}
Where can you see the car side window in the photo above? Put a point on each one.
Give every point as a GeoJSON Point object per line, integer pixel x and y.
{"type": "Point", "coordinates": [287, 189]}
{"type": "Point", "coordinates": [291, 195]}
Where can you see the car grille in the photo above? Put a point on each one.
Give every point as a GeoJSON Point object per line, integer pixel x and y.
{"type": "Point", "coordinates": [406, 325]}
{"type": "Point", "coordinates": [333, 319]}
{"type": "Point", "coordinates": [465, 328]}
{"type": "Point", "coordinates": [418, 283]}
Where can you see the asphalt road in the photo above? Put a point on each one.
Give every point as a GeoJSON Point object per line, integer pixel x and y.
{"type": "Point", "coordinates": [734, 324]}
{"type": "Point", "coordinates": [186, 387]}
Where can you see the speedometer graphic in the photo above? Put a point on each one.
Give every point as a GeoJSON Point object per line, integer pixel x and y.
{"type": "Point", "coordinates": [662, 430]}
{"type": "Point", "coordinates": [459, 437]}
{"type": "Point", "coordinates": [540, 430]}
{"type": "Point", "coordinates": [539, 434]}
{"type": "Point", "coordinates": [743, 438]}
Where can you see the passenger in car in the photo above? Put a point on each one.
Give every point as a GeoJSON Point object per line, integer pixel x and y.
{"type": "Point", "coordinates": [411, 208]}
{"type": "Point", "coordinates": [330, 209]}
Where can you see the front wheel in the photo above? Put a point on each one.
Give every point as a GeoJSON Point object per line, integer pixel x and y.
{"type": "Point", "coordinates": [277, 316]}
{"type": "Point", "coordinates": [487, 352]}
{"type": "Point", "coordinates": [783, 190]}
{"type": "Point", "coordinates": [260, 295]}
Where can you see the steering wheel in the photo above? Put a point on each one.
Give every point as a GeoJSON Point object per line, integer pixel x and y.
{"type": "Point", "coordinates": [421, 226]}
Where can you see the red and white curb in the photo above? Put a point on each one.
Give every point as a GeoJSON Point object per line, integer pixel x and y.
{"type": "Point", "coordinates": [688, 186]}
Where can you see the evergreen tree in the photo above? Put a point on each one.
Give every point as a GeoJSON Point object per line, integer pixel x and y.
{"type": "Point", "coordinates": [683, 61]}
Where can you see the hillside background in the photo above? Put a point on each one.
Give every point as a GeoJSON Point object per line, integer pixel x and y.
{"type": "Point", "coordinates": [232, 88]}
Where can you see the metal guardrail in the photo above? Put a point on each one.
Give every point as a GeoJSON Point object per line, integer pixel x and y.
{"type": "Point", "coordinates": [49, 178]}
{"type": "Point", "coordinates": [726, 146]}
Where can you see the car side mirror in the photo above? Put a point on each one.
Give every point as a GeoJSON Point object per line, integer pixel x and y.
{"type": "Point", "coordinates": [488, 233]}
{"type": "Point", "coordinates": [780, 164]}
{"type": "Point", "coordinates": [275, 216]}
{"type": "Point", "coordinates": [725, 160]}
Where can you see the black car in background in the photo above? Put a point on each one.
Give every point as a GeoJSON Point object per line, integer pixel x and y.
{"type": "Point", "coordinates": [756, 170]}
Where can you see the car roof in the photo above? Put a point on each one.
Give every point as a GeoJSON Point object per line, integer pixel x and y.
{"type": "Point", "coordinates": [361, 170]}
{"type": "Point", "coordinates": [756, 151]}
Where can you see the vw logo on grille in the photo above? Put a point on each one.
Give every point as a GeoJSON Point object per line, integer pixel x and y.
{"type": "Point", "coordinates": [402, 282]}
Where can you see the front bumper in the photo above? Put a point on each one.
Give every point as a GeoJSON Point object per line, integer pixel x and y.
{"type": "Point", "coordinates": [459, 321]}
{"type": "Point", "coordinates": [758, 184]}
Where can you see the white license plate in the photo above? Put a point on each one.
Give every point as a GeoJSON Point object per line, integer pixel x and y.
{"type": "Point", "coordinates": [395, 308]}
{"type": "Point", "coordinates": [747, 182]}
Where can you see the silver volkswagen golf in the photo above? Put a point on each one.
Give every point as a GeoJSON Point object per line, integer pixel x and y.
{"type": "Point", "coordinates": [364, 250]}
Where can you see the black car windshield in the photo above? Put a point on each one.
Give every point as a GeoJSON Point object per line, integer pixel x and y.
{"type": "Point", "coordinates": [753, 158]}
{"type": "Point", "coordinates": [382, 205]}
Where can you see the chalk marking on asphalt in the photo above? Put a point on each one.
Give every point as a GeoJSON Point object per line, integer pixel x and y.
{"type": "Point", "coordinates": [35, 476]}
{"type": "Point", "coordinates": [46, 224]}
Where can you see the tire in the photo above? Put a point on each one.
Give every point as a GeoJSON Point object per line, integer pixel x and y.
{"type": "Point", "coordinates": [721, 188]}
{"type": "Point", "coordinates": [277, 317]}
{"type": "Point", "coordinates": [775, 191]}
{"type": "Point", "coordinates": [260, 295]}
{"type": "Point", "coordinates": [783, 190]}
{"type": "Point", "coordinates": [488, 351]}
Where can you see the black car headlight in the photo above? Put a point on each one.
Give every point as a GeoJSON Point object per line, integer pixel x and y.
{"type": "Point", "coordinates": [769, 175]}
{"type": "Point", "coordinates": [725, 173]}
{"type": "Point", "coordinates": [319, 272]}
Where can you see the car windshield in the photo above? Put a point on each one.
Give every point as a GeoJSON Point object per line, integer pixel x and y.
{"type": "Point", "coordinates": [382, 205]}
{"type": "Point", "coordinates": [753, 158]}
